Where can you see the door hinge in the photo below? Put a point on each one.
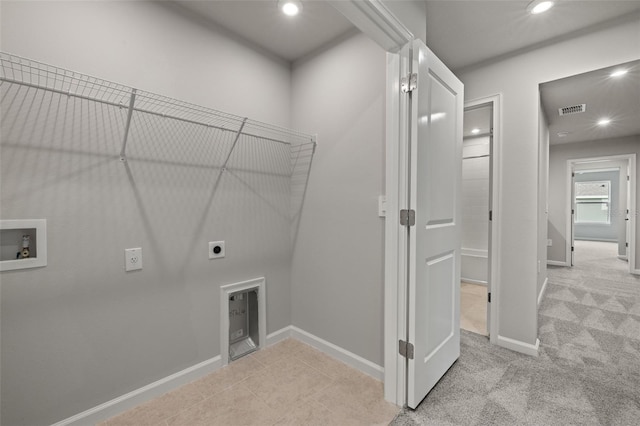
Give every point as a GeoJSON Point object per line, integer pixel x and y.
{"type": "Point", "coordinates": [405, 349]}
{"type": "Point", "coordinates": [573, 211]}
{"type": "Point", "coordinates": [626, 244]}
{"type": "Point", "coordinates": [573, 174]}
{"type": "Point", "coordinates": [573, 248]}
{"type": "Point", "coordinates": [407, 217]}
{"type": "Point", "coordinates": [408, 83]}
{"type": "Point", "coordinates": [489, 297]}
{"type": "Point", "coordinates": [490, 215]}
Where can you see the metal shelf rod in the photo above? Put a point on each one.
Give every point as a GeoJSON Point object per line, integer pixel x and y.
{"type": "Point", "coordinates": [61, 92]}
{"type": "Point", "coordinates": [123, 151]}
{"type": "Point", "coordinates": [142, 110]}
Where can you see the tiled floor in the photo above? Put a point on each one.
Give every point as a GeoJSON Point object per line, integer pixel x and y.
{"type": "Point", "coordinates": [289, 383]}
{"type": "Point", "coordinates": [473, 308]}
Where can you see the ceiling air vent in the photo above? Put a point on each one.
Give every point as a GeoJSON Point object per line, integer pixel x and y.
{"type": "Point", "coordinates": [574, 109]}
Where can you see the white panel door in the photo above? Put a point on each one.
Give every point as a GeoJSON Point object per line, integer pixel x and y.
{"type": "Point", "coordinates": [434, 241]}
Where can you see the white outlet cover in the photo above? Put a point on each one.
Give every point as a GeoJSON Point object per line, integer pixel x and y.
{"type": "Point", "coordinates": [133, 259]}
{"type": "Point", "coordinates": [212, 247]}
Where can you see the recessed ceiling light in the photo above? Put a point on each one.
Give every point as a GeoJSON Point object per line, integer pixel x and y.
{"type": "Point", "coordinates": [563, 134]}
{"type": "Point", "coordinates": [475, 131]}
{"type": "Point", "coordinates": [290, 7]}
{"type": "Point", "coordinates": [618, 73]}
{"type": "Point", "coordinates": [539, 6]}
{"type": "Point", "coordinates": [604, 122]}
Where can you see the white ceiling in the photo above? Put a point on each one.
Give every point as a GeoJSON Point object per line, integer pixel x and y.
{"type": "Point", "coordinates": [464, 34]}
{"type": "Point", "coordinates": [616, 98]}
{"type": "Point", "coordinates": [261, 23]}
{"type": "Point", "coordinates": [467, 33]}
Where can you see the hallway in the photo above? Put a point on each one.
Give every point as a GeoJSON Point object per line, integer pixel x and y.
{"type": "Point", "coordinates": [588, 369]}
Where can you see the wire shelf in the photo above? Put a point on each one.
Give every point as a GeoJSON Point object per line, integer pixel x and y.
{"type": "Point", "coordinates": [27, 72]}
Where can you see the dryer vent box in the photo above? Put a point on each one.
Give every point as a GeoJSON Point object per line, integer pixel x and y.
{"type": "Point", "coordinates": [244, 334]}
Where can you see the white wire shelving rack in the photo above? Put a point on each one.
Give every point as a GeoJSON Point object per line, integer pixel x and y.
{"type": "Point", "coordinates": [34, 74]}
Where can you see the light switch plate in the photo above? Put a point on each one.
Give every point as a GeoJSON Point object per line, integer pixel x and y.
{"type": "Point", "coordinates": [133, 259]}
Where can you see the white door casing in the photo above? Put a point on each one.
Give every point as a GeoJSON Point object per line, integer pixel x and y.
{"type": "Point", "coordinates": [434, 241]}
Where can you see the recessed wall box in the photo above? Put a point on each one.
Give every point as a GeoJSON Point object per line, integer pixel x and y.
{"type": "Point", "coordinates": [23, 244]}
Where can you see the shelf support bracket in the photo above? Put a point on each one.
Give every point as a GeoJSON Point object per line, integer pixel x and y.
{"type": "Point", "coordinates": [235, 141]}
{"type": "Point", "coordinates": [123, 151]}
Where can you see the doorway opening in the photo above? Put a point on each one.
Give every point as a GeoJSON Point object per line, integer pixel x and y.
{"type": "Point", "coordinates": [477, 147]}
{"type": "Point", "coordinates": [600, 201]}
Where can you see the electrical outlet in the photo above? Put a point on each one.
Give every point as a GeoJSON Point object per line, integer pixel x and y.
{"type": "Point", "coordinates": [549, 242]}
{"type": "Point", "coordinates": [216, 249]}
{"type": "Point", "coordinates": [132, 259]}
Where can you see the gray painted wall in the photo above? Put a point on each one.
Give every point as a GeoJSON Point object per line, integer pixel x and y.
{"type": "Point", "coordinates": [559, 154]}
{"type": "Point", "coordinates": [337, 274]}
{"type": "Point", "coordinates": [81, 331]}
{"type": "Point", "coordinates": [602, 232]}
{"type": "Point", "coordinates": [517, 79]}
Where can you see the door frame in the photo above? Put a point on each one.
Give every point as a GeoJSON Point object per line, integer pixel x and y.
{"type": "Point", "coordinates": [631, 161]}
{"type": "Point", "coordinates": [493, 273]}
{"type": "Point", "coordinates": [376, 21]}
{"type": "Point", "coordinates": [395, 295]}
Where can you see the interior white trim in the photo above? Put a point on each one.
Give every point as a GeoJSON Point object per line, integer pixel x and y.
{"type": "Point", "coordinates": [279, 336]}
{"type": "Point", "coordinates": [474, 252]}
{"type": "Point", "coordinates": [40, 259]}
{"type": "Point", "coordinates": [543, 290]}
{"type": "Point", "coordinates": [472, 281]}
{"type": "Point", "coordinates": [225, 292]}
{"type": "Point", "coordinates": [518, 346]}
{"type": "Point", "coordinates": [365, 366]}
{"type": "Point", "coordinates": [395, 240]}
{"type": "Point", "coordinates": [375, 20]}
{"type": "Point", "coordinates": [633, 213]}
{"type": "Point", "coordinates": [556, 263]}
{"type": "Point", "coordinates": [494, 276]}
{"type": "Point", "coordinates": [391, 232]}
{"type": "Point", "coordinates": [146, 393]}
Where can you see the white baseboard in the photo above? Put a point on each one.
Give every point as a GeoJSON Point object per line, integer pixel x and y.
{"type": "Point", "coordinates": [472, 281]}
{"type": "Point", "coordinates": [365, 366]}
{"type": "Point", "coordinates": [160, 387]}
{"type": "Point", "coordinates": [279, 336]}
{"type": "Point", "coordinates": [146, 393]}
{"type": "Point", "coordinates": [542, 290]}
{"type": "Point", "coordinates": [518, 346]}
{"type": "Point", "coordinates": [556, 263]}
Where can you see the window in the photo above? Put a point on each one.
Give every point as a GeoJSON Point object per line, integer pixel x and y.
{"type": "Point", "coordinates": [593, 202]}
